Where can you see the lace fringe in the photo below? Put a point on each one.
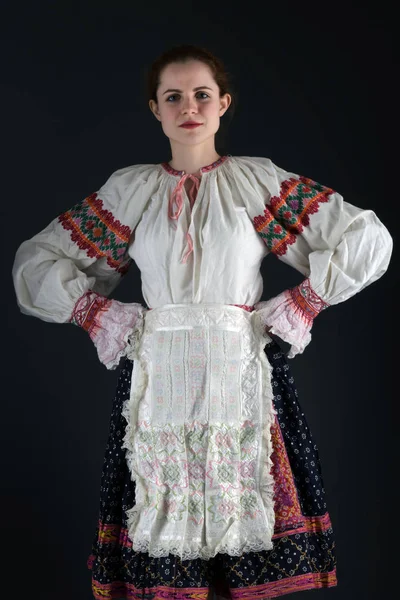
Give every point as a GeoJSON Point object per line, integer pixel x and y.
{"type": "Point", "coordinates": [267, 479]}
{"type": "Point", "coordinates": [130, 339]}
{"type": "Point", "coordinates": [286, 320]}
{"type": "Point", "coordinates": [139, 383]}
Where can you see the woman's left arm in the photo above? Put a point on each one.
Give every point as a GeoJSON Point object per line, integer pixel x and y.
{"type": "Point", "coordinates": [338, 247]}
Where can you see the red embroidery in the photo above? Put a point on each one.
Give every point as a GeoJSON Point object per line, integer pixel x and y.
{"type": "Point", "coordinates": [205, 169]}
{"type": "Point", "coordinates": [86, 310]}
{"type": "Point", "coordinates": [96, 230]}
{"type": "Point", "coordinates": [307, 300]}
{"type": "Point", "coordinates": [287, 214]}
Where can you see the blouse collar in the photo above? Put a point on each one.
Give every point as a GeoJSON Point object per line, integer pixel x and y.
{"type": "Point", "coordinates": [176, 197]}
{"type": "Point", "coordinates": [205, 169]}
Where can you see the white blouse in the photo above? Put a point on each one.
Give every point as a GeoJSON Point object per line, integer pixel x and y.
{"type": "Point", "coordinates": [201, 393]}
{"type": "Point", "coordinates": [205, 245]}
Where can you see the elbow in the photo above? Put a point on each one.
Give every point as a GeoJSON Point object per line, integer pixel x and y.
{"type": "Point", "coordinates": [17, 277]}
{"type": "Point", "coordinates": [26, 275]}
{"type": "Point", "coordinates": [385, 247]}
{"type": "Point", "coordinates": [378, 246]}
{"type": "Point", "coordinates": [379, 256]}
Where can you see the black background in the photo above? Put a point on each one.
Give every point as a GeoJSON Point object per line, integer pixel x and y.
{"type": "Point", "coordinates": [317, 95]}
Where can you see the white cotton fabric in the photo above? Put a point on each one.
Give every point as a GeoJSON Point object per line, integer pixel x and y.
{"type": "Point", "coordinates": [199, 433]}
{"type": "Point", "coordinates": [342, 250]}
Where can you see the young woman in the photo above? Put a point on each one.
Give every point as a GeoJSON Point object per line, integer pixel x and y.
{"type": "Point", "coordinates": [211, 480]}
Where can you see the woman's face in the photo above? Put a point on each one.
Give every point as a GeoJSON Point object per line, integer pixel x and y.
{"type": "Point", "coordinates": [197, 100]}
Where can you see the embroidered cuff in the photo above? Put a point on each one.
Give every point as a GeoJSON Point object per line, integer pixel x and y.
{"type": "Point", "coordinates": [290, 315]}
{"type": "Point", "coordinates": [114, 327]}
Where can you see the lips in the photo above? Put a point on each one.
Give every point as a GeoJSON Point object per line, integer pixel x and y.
{"type": "Point", "coordinates": [190, 125]}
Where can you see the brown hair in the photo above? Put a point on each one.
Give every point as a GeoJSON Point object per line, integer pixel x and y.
{"type": "Point", "coordinates": [222, 77]}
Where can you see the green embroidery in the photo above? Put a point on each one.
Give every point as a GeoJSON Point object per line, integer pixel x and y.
{"type": "Point", "coordinates": [287, 214]}
{"type": "Point", "coordinates": [95, 230]}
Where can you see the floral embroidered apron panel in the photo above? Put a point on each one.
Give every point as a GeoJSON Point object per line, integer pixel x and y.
{"type": "Point", "coordinates": [198, 433]}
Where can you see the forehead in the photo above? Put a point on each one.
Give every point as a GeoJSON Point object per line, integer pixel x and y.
{"type": "Point", "coordinates": [176, 74]}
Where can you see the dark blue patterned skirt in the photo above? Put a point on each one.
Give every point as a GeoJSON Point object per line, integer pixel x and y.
{"type": "Point", "coordinates": [303, 556]}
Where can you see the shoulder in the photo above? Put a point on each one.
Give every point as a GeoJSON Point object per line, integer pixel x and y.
{"type": "Point", "coordinates": [261, 173]}
{"type": "Point", "coordinates": [125, 176]}
{"type": "Point", "coordinates": [126, 182]}
{"type": "Point", "coordinates": [252, 161]}
{"type": "Point", "coordinates": [266, 172]}
{"type": "Point", "coordinates": [260, 166]}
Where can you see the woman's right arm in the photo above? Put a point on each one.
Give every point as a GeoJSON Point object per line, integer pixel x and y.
{"type": "Point", "coordinates": [66, 272]}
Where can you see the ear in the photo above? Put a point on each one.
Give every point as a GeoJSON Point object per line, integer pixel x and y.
{"type": "Point", "coordinates": [224, 103]}
{"type": "Point", "coordinates": [154, 109]}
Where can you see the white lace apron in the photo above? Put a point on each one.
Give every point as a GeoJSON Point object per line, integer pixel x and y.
{"type": "Point", "coordinates": [198, 441]}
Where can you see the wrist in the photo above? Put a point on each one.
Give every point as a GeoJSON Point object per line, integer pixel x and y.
{"type": "Point", "coordinates": [307, 301]}
{"type": "Point", "coordinates": [86, 311]}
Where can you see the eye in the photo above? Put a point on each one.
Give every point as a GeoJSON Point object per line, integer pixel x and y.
{"type": "Point", "coordinates": [174, 96]}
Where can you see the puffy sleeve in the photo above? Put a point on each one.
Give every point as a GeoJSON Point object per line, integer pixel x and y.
{"type": "Point", "coordinates": [339, 248]}
{"type": "Point", "coordinates": [65, 273]}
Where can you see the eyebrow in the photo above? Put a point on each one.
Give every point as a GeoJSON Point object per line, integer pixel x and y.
{"type": "Point", "coordinates": [200, 87]}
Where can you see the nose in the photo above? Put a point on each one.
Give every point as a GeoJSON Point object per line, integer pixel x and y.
{"type": "Point", "coordinates": [189, 105]}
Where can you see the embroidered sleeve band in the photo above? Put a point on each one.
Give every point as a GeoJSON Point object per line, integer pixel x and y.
{"type": "Point", "coordinates": [95, 230]}
{"type": "Point", "coordinates": [290, 315]}
{"type": "Point", "coordinates": [112, 325]}
{"type": "Point", "coordinates": [287, 214]}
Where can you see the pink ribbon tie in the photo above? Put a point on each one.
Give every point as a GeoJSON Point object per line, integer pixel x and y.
{"type": "Point", "coordinates": [177, 198]}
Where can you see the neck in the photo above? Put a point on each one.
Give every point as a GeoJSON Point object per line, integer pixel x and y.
{"type": "Point", "coordinates": [191, 160]}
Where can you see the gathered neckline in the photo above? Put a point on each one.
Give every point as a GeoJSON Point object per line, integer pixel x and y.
{"type": "Point", "coordinates": [205, 169]}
